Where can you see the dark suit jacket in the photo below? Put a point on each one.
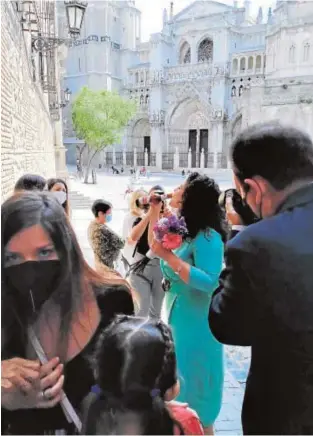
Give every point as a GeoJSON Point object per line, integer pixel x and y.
{"type": "Point", "coordinates": [265, 300]}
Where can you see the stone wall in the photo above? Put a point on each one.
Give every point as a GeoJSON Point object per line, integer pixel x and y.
{"type": "Point", "coordinates": [27, 137]}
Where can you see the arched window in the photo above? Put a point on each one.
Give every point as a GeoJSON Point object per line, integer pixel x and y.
{"type": "Point", "coordinates": [306, 52]}
{"type": "Point", "coordinates": [205, 50]}
{"type": "Point", "coordinates": [137, 77]}
{"type": "Point", "coordinates": [235, 66]}
{"type": "Point", "coordinates": [240, 90]}
{"type": "Point", "coordinates": [250, 63]}
{"type": "Point", "coordinates": [292, 54]}
{"type": "Point", "coordinates": [233, 91]}
{"type": "Point", "coordinates": [147, 99]}
{"type": "Point", "coordinates": [185, 53]}
{"type": "Point", "coordinates": [242, 64]}
{"type": "Point", "coordinates": [258, 63]}
{"type": "Point", "coordinates": [141, 99]}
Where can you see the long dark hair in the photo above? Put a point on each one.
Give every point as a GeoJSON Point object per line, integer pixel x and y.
{"type": "Point", "coordinates": [25, 210]}
{"type": "Point", "coordinates": [200, 206]}
{"type": "Point", "coordinates": [54, 181]}
{"type": "Point", "coordinates": [135, 364]}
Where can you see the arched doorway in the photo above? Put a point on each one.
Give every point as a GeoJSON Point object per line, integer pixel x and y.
{"type": "Point", "coordinates": [189, 128]}
{"type": "Point", "coordinates": [141, 140]}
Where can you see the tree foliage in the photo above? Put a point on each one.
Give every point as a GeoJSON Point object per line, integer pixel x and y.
{"type": "Point", "coordinates": [99, 117]}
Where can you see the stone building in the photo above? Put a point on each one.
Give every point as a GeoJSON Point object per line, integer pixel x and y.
{"type": "Point", "coordinates": [31, 134]}
{"type": "Point", "coordinates": [212, 70]}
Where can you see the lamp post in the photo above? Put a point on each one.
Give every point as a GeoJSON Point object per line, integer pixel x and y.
{"type": "Point", "coordinates": [66, 95]}
{"type": "Point", "coordinates": [75, 11]}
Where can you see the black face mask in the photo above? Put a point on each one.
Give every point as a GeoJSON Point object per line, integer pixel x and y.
{"type": "Point", "coordinates": [33, 283]}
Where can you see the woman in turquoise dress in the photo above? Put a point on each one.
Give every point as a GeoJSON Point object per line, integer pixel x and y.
{"type": "Point", "coordinates": [191, 276]}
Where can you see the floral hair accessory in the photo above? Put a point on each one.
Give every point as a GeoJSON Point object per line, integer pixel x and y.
{"type": "Point", "coordinates": [170, 232]}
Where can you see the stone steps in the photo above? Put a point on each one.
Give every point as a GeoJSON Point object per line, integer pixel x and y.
{"type": "Point", "coordinates": [79, 201]}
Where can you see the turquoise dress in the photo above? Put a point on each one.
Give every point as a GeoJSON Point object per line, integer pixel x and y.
{"type": "Point", "coordinates": [185, 308]}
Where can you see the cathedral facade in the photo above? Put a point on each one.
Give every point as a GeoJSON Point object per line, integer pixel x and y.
{"type": "Point", "coordinates": [211, 71]}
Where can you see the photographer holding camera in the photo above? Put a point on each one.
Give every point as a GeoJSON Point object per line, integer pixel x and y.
{"type": "Point", "coordinates": [238, 212]}
{"type": "Point", "coordinates": [145, 274]}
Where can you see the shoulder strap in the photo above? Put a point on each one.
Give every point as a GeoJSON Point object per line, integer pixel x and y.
{"type": "Point", "coordinates": [66, 405]}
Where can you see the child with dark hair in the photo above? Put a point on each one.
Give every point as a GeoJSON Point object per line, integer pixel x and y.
{"type": "Point", "coordinates": [105, 243]}
{"type": "Point", "coordinates": [135, 371]}
{"type": "Point", "coordinates": [30, 182]}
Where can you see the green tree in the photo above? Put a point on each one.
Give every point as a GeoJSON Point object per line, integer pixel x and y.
{"type": "Point", "coordinates": [99, 118]}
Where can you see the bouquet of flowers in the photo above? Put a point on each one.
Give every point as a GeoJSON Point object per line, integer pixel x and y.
{"type": "Point", "coordinates": [170, 232]}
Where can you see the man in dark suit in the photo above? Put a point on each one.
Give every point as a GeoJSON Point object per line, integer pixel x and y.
{"type": "Point", "coordinates": [265, 298]}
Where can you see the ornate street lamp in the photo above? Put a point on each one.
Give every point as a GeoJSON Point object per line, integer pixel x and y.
{"type": "Point", "coordinates": [75, 11]}
{"type": "Point", "coordinates": [66, 96]}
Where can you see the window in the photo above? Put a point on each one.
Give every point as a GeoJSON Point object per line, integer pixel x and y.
{"type": "Point", "coordinates": [306, 52]}
{"type": "Point", "coordinates": [250, 63]}
{"type": "Point", "coordinates": [185, 54]}
{"type": "Point", "coordinates": [205, 50]}
{"type": "Point", "coordinates": [235, 66]}
{"type": "Point", "coordinates": [258, 62]}
{"type": "Point", "coordinates": [240, 90]}
{"type": "Point", "coordinates": [292, 54]}
{"type": "Point", "coordinates": [137, 77]}
{"type": "Point", "coordinates": [243, 64]}
{"type": "Point", "coordinates": [233, 91]}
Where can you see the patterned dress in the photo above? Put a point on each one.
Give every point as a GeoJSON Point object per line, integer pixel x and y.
{"type": "Point", "coordinates": [105, 244]}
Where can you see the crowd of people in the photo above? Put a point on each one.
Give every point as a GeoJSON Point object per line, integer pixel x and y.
{"type": "Point", "coordinates": [135, 345]}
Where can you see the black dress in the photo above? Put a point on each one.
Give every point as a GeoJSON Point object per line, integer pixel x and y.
{"type": "Point", "coordinates": [78, 373]}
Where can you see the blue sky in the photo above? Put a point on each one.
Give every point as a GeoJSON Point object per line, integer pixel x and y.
{"type": "Point", "coordinates": [152, 11]}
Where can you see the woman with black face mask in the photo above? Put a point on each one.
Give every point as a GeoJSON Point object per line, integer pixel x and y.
{"type": "Point", "coordinates": [54, 306]}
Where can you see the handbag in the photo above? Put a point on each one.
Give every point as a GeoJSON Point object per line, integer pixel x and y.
{"type": "Point", "coordinates": [65, 403]}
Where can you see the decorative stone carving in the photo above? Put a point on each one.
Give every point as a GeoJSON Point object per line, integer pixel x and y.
{"type": "Point", "coordinates": [157, 118]}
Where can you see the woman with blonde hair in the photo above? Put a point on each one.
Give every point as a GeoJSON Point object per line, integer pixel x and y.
{"type": "Point", "coordinates": [135, 211]}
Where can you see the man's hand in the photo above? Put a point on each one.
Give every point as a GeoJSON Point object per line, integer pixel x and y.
{"type": "Point", "coordinates": [232, 216]}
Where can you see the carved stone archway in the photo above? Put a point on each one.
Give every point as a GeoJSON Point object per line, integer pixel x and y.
{"type": "Point", "coordinates": [139, 131]}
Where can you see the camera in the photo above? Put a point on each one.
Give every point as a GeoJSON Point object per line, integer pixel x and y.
{"type": "Point", "coordinates": [241, 208]}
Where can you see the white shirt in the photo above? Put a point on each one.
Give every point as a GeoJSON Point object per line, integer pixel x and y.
{"type": "Point", "coordinates": [129, 249]}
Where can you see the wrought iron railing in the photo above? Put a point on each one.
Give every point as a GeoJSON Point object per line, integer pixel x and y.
{"type": "Point", "coordinates": [141, 159]}
{"type": "Point", "coordinates": [119, 158]}
{"type": "Point", "coordinates": [183, 160]}
{"type": "Point", "coordinates": [129, 158]}
{"type": "Point", "coordinates": [152, 162]}
{"type": "Point", "coordinates": [167, 161]}
{"type": "Point", "coordinates": [109, 158]}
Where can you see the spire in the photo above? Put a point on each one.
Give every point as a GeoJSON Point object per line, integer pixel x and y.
{"type": "Point", "coordinates": [165, 18]}
{"type": "Point", "coordinates": [259, 19]}
{"type": "Point", "coordinates": [246, 5]}
{"type": "Point", "coordinates": [269, 16]}
{"type": "Point", "coordinates": [171, 10]}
